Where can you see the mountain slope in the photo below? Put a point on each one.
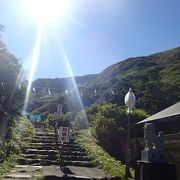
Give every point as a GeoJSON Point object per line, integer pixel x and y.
{"type": "Point", "coordinates": [140, 64]}
{"type": "Point", "coordinates": [154, 78]}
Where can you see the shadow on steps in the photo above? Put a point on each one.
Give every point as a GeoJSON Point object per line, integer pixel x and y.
{"type": "Point", "coordinates": [64, 177]}
{"type": "Point", "coordinates": [79, 177]}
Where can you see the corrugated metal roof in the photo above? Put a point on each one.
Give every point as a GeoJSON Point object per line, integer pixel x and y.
{"type": "Point", "coordinates": [167, 113]}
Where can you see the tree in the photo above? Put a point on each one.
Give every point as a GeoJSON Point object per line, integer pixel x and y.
{"type": "Point", "coordinates": [10, 96]}
{"type": "Point", "coordinates": [60, 119]}
{"type": "Point", "coordinates": [81, 121]}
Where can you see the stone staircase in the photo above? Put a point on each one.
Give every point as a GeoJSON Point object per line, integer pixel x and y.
{"type": "Point", "coordinates": [43, 150]}
{"type": "Point", "coordinates": [42, 159]}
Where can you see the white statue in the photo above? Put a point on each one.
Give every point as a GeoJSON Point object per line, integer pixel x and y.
{"type": "Point", "coordinates": [130, 100]}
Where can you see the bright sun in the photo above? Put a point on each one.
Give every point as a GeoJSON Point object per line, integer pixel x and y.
{"type": "Point", "coordinates": [46, 11]}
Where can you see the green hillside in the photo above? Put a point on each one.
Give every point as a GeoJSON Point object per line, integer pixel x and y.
{"type": "Point", "coordinates": [155, 80]}
{"type": "Point", "coordinates": [11, 97]}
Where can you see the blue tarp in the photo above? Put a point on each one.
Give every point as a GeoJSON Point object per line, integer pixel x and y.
{"type": "Point", "coordinates": [36, 117]}
{"type": "Point", "coordinates": [33, 117]}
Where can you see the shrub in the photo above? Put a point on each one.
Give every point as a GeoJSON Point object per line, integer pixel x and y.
{"type": "Point", "coordinates": [81, 121]}
{"type": "Point", "coordinates": [109, 126]}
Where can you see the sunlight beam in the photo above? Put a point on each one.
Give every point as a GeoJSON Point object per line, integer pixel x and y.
{"type": "Point", "coordinates": [74, 83]}
{"type": "Point", "coordinates": [35, 57]}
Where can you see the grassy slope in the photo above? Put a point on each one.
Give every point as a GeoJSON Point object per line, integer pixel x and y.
{"type": "Point", "coordinates": [101, 158]}
{"type": "Point", "coordinates": [20, 132]}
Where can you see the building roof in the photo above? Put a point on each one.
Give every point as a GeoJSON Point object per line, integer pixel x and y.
{"type": "Point", "coordinates": [169, 113]}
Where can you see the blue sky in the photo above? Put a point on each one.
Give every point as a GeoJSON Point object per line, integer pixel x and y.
{"type": "Point", "coordinates": [94, 34]}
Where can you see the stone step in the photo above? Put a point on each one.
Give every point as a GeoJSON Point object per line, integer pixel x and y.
{"type": "Point", "coordinates": [54, 147]}
{"type": "Point", "coordinates": [43, 147]}
{"type": "Point", "coordinates": [72, 145]}
{"type": "Point", "coordinates": [43, 141]}
{"type": "Point", "coordinates": [54, 158]}
{"type": "Point", "coordinates": [36, 156]}
{"type": "Point", "coordinates": [68, 149]}
{"type": "Point", "coordinates": [44, 162]}
{"type": "Point", "coordinates": [25, 161]}
{"type": "Point", "coordinates": [69, 177]}
{"type": "Point", "coordinates": [45, 134]}
{"type": "Point", "coordinates": [70, 142]}
{"type": "Point", "coordinates": [17, 176]}
{"type": "Point", "coordinates": [79, 163]}
{"type": "Point", "coordinates": [76, 158]}
{"type": "Point", "coordinates": [41, 152]}
{"type": "Point", "coordinates": [44, 137]}
{"type": "Point", "coordinates": [42, 144]}
{"type": "Point", "coordinates": [49, 140]}
{"type": "Point", "coordinates": [75, 153]}
{"type": "Point", "coordinates": [47, 162]}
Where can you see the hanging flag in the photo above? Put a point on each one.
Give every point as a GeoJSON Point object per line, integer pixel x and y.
{"type": "Point", "coordinates": [34, 90]}
{"type": "Point", "coordinates": [112, 92]}
{"type": "Point", "coordinates": [2, 85]}
{"type": "Point", "coordinates": [19, 87]}
{"type": "Point", "coordinates": [2, 98]}
{"type": "Point", "coordinates": [66, 91]}
{"type": "Point", "coordinates": [81, 94]}
{"type": "Point", "coordinates": [95, 92]}
{"type": "Point", "coordinates": [49, 91]}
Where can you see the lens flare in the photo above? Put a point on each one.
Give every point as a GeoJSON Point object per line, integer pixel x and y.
{"type": "Point", "coordinates": [35, 57]}
{"type": "Point", "coordinates": [77, 94]}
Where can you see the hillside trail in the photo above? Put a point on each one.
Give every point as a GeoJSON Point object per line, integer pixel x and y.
{"type": "Point", "coordinates": [41, 160]}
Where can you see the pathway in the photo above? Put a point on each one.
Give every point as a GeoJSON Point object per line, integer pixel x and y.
{"type": "Point", "coordinates": [41, 159]}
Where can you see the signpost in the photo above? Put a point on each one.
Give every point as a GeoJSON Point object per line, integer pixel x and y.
{"type": "Point", "coordinates": [63, 134]}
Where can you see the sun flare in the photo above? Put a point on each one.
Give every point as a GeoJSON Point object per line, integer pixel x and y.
{"type": "Point", "coordinates": [46, 11]}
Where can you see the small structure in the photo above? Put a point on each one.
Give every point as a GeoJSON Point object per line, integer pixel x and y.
{"type": "Point", "coordinates": [154, 163]}
{"type": "Point", "coordinates": [167, 119]}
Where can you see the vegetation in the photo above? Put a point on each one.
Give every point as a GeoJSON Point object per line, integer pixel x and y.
{"type": "Point", "coordinates": [13, 129]}
{"type": "Point", "coordinates": [81, 121]}
{"type": "Point", "coordinates": [11, 97]}
{"type": "Point", "coordinates": [109, 123]}
{"type": "Point", "coordinates": [152, 78]}
{"type": "Point", "coordinates": [60, 119]}
{"type": "Point", "coordinates": [19, 133]}
{"type": "Point", "coordinates": [7, 165]}
{"type": "Point", "coordinates": [101, 158]}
